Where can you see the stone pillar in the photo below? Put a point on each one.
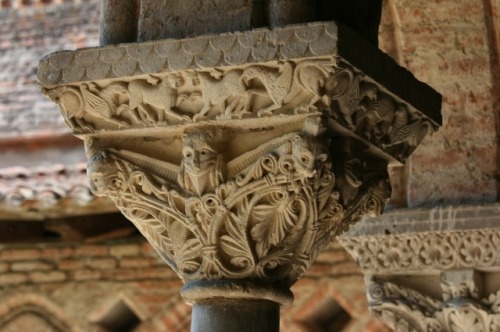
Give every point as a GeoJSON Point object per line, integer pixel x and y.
{"type": "Point", "coordinates": [240, 156]}
{"type": "Point", "coordinates": [432, 270]}
{"type": "Point", "coordinates": [119, 20]}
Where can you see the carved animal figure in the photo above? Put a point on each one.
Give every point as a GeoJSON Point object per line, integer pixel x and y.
{"type": "Point", "coordinates": [306, 153]}
{"type": "Point", "coordinates": [310, 76]}
{"type": "Point", "coordinates": [70, 102]}
{"type": "Point", "coordinates": [101, 105]}
{"type": "Point", "coordinates": [376, 121]}
{"type": "Point", "coordinates": [216, 91]}
{"type": "Point", "coordinates": [277, 83]}
{"type": "Point", "coordinates": [350, 95]}
{"type": "Point", "coordinates": [160, 94]}
{"type": "Point", "coordinates": [202, 167]}
{"type": "Point", "coordinates": [407, 135]}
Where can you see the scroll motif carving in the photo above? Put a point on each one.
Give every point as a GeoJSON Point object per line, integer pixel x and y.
{"type": "Point", "coordinates": [427, 250]}
{"type": "Point", "coordinates": [405, 309]}
{"type": "Point", "coordinates": [263, 214]}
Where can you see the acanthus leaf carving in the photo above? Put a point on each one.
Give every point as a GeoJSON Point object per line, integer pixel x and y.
{"type": "Point", "coordinates": [264, 214]}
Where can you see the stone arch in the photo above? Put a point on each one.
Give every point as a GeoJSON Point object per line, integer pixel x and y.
{"type": "Point", "coordinates": [37, 308]}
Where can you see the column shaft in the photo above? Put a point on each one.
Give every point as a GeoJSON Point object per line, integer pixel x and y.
{"type": "Point", "coordinates": [235, 315]}
{"type": "Point", "coordinates": [119, 19]}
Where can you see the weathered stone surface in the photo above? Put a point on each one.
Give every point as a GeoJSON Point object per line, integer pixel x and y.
{"type": "Point", "coordinates": [464, 305]}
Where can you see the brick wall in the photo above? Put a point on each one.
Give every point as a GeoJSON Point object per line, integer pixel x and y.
{"type": "Point", "coordinates": [80, 284]}
{"type": "Point", "coordinates": [451, 45]}
{"type": "Point", "coordinates": [53, 263]}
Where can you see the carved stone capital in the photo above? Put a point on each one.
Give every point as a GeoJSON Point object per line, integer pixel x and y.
{"type": "Point", "coordinates": [239, 156]}
{"type": "Point", "coordinates": [263, 214]}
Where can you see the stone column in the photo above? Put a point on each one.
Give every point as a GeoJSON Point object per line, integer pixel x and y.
{"type": "Point", "coordinates": [432, 270]}
{"type": "Point", "coordinates": [240, 156]}
{"type": "Point", "coordinates": [119, 20]}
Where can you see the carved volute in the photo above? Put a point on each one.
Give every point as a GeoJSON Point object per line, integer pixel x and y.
{"type": "Point", "coordinates": [240, 156]}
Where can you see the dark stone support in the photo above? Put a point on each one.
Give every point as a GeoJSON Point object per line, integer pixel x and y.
{"type": "Point", "coordinates": [361, 16]}
{"type": "Point", "coordinates": [118, 21]}
{"type": "Point", "coordinates": [235, 315]}
{"type": "Point", "coordinates": [285, 12]}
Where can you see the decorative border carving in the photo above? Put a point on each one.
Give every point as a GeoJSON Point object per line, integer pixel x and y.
{"type": "Point", "coordinates": [308, 86]}
{"type": "Point", "coordinates": [430, 240]}
{"type": "Point", "coordinates": [426, 251]}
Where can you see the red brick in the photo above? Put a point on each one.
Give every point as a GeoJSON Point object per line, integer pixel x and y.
{"type": "Point", "coordinates": [147, 249]}
{"type": "Point", "coordinates": [157, 273]}
{"type": "Point", "coordinates": [137, 262]}
{"type": "Point", "coordinates": [13, 278]}
{"type": "Point", "coordinates": [31, 266]}
{"type": "Point", "coordinates": [46, 277]}
{"type": "Point", "coordinates": [19, 254]}
{"type": "Point", "coordinates": [125, 250]}
{"type": "Point", "coordinates": [333, 256]}
{"type": "Point", "coordinates": [102, 263]}
{"type": "Point", "coordinates": [58, 253]}
{"type": "Point", "coordinates": [4, 267]}
{"type": "Point", "coordinates": [91, 250]}
{"type": "Point", "coordinates": [84, 275]}
{"type": "Point", "coordinates": [71, 264]}
{"type": "Point", "coordinates": [120, 275]}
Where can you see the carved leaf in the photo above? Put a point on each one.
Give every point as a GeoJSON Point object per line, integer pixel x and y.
{"type": "Point", "coordinates": [187, 256]}
{"type": "Point", "coordinates": [236, 245]}
{"type": "Point", "coordinates": [273, 221]}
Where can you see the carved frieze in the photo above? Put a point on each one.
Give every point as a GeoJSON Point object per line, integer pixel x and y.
{"type": "Point", "coordinates": [414, 241]}
{"type": "Point", "coordinates": [462, 307]}
{"type": "Point", "coordinates": [317, 86]}
{"type": "Point", "coordinates": [288, 71]}
{"type": "Point", "coordinates": [263, 214]}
